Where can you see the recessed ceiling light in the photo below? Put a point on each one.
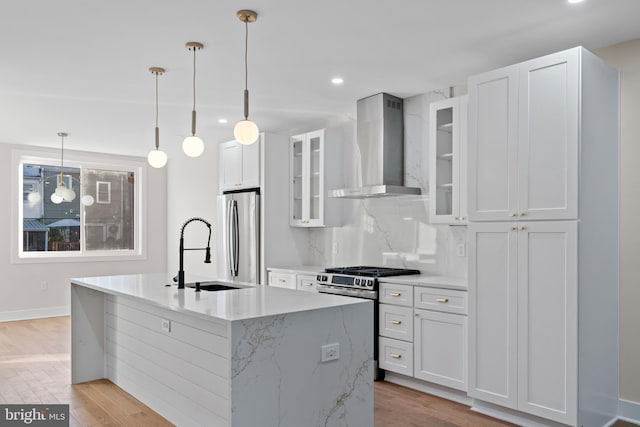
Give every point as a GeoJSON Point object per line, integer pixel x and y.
{"type": "Point", "coordinates": [575, 1]}
{"type": "Point", "coordinates": [337, 80]}
{"type": "Point", "coordinates": [222, 121]}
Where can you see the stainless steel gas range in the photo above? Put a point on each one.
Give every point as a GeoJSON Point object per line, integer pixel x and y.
{"type": "Point", "coordinates": [360, 282]}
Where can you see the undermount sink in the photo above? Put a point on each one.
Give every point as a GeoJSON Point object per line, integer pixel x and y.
{"type": "Point", "coordinates": [211, 286]}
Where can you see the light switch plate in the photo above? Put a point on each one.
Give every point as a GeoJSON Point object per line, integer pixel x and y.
{"type": "Point", "coordinates": [461, 249]}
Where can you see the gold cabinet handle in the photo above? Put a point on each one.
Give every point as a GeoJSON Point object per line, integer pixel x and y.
{"type": "Point", "coordinates": [395, 294]}
{"type": "Point", "coordinates": [396, 355]}
{"type": "Point", "coordinates": [513, 228]}
{"type": "Point", "coordinates": [521, 228]}
{"type": "Point", "coordinates": [461, 218]}
{"type": "Point", "coordinates": [512, 214]}
{"type": "Point", "coordinates": [396, 322]}
{"type": "Point", "coordinates": [442, 299]}
{"type": "Point", "coordinates": [521, 214]}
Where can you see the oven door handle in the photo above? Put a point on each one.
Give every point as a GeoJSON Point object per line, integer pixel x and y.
{"type": "Point", "coordinates": [358, 293]}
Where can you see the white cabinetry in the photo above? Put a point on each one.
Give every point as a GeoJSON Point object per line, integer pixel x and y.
{"type": "Point", "coordinates": [523, 140]}
{"type": "Point", "coordinates": [282, 280]}
{"type": "Point", "coordinates": [523, 288]}
{"type": "Point", "coordinates": [239, 165]}
{"type": "Point", "coordinates": [447, 160]}
{"type": "Point", "coordinates": [543, 162]}
{"type": "Point", "coordinates": [428, 343]}
{"type": "Point", "coordinates": [309, 205]}
{"type": "Point", "coordinates": [304, 280]}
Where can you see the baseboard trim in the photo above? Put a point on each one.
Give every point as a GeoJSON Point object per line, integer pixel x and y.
{"type": "Point", "coordinates": [429, 388]}
{"type": "Point", "coordinates": [37, 313]}
{"type": "Point", "coordinates": [628, 411]}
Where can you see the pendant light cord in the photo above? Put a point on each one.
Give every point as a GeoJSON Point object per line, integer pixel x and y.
{"type": "Point", "coordinates": [62, 160]}
{"type": "Point", "coordinates": [194, 78]}
{"type": "Point", "coordinates": [157, 131]}
{"type": "Point", "coordinates": [246, 69]}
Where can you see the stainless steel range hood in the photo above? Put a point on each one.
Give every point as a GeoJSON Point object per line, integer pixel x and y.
{"type": "Point", "coordinates": [380, 143]}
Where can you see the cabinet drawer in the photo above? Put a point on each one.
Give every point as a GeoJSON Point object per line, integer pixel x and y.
{"type": "Point", "coordinates": [445, 300]}
{"type": "Point", "coordinates": [396, 322]}
{"type": "Point", "coordinates": [392, 293]}
{"type": "Point", "coordinates": [282, 280]}
{"type": "Point", "coordinates": [396, 356]}
{"type": "Point", "coordinates": [307, 283]}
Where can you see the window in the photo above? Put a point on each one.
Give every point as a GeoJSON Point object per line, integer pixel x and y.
{"type": "Point", "coordinates": [89, 209]}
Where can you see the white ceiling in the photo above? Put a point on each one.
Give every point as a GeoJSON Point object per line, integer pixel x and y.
{"type": "Point", "coordinates": [81, 66]}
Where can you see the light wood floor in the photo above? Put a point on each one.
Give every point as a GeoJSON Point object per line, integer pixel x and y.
{"type": "Point", "coordinates": [35, 368]}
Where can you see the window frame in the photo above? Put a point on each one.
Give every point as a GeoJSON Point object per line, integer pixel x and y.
{"type": "Point", "coordinates": [81, 161]}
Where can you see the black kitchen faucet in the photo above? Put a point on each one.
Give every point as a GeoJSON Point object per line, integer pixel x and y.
{"type": "Point", "coordinates": [207, 258]}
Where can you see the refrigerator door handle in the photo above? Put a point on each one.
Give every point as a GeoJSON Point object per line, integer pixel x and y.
{"type": "Point", "coordinates": [229, 238]}
{"type": "Point", "coordinates": [236, 239]}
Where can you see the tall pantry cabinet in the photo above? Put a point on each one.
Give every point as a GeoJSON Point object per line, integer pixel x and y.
{"type": "Point", "coordinates": [543, 239]}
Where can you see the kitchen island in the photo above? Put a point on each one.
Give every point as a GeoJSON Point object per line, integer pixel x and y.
{"type": "Point", "coordinates": [244, 357]}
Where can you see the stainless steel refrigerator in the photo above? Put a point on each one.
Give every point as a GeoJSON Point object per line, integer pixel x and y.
{"type": "Point", "coordinates": [238, 237]}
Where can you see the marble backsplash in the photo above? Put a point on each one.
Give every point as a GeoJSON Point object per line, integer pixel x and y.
{"type": "Point", "coordinates": [395, 231]}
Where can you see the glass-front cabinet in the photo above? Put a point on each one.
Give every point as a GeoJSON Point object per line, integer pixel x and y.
{"type": "Point", "coordinates": [447, 160]}
{"type": "Point", "coordinates": [307, 180]}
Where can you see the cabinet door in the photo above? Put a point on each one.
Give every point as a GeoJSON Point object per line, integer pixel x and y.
{"type": "Point", "coordinates": [440, 348]}
{"type": "Point", "coordinates": [447, 166]}
{"type": "Point", "coordinates": [547, 320]}
{"type": "Point", "coordinates": [251, 164]}
{"type": "Point", "coordinates": [307, 180]}
{"type": "Point", "coordinates": [493, 313]}
{"type": "Point", "coordinates": [230, 165]}
{"type": "Point", "coordinates": [492, 147]}
{"type": "Point", "coordinates": [548, 136]}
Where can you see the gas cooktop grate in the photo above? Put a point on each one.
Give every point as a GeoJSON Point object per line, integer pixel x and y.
{"type": "Point", "coordinates": [371, 271]}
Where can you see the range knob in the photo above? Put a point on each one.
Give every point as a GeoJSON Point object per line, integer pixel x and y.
{"type": "Point", "coordinates": [370, 283]}
{"type": "Point", "coordinates": [357, 282]}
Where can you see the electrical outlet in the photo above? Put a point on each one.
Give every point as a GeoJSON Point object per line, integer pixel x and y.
{"type": "Point", "coordinates": [165, 325]}
{"type": "Point", "coordinates": [330, 352]}
{"type": "Point", "coordinates": [44, 286]}
{"type": "Point", "coordinates": [461, 249]}
{"type": "Point", "coordinates": [336, 248]}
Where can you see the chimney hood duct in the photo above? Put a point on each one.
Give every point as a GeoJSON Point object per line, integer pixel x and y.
{"type": "Point", "coordinates": [380, 142]}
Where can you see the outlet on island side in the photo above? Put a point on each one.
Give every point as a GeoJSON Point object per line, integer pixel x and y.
{"type": "Point", "coordinates": [165, 325]}
{"type": "Point", "coordinates": [330, 352]}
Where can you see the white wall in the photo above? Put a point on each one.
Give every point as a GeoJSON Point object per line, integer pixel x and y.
{"type": "Point", "coordinates": [192, 187]}
{"type": "Point", "coordinates": [21, 296]}
{"type": "Point", "coordinates": [626, 57]}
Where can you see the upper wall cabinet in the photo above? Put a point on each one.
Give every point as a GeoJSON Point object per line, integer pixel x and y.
{"type": "Point", "coordinates": [447, 160]}
{"type": "Point", "coordinates": [309, 205]}
{"type": "Point", "coordinates": [523, 140]}
{"type": "Point", "coordinates": [239, 165]}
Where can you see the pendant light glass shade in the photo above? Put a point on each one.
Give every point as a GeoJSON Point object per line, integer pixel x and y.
{"type": "Point", "coordinates": [245, 131]}
{"type": "Point", "coordinates": [192, 145]}
{"type": "Point", "coordinates": [157, 158]}
{"type": "Point", "coordinates": [62, 193]}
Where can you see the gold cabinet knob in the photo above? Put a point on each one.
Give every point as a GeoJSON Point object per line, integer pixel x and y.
{"type": "Point", "coordinates": [521, 214]}
{"type": "Point", "coordinates": [521, 228]}
{"type": "Point", "coordinates": [513, 228]}
{"type": "Point", "coordinates": [512, 214]}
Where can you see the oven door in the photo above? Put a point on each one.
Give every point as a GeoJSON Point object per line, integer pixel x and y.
{"type": "Point", "coordinates": [348, 292]}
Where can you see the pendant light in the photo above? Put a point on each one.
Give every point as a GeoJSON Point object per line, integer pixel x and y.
{"type": "Point", "coordinates": [157, 158]}
{"type": "Point", "coordinates": [193, 145]}
{"type": "Point", "coordinates": [62, 193]}
{"type": "Point", "coordinates": [246, 132]}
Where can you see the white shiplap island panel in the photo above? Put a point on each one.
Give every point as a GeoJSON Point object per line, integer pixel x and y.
{"type": "Point", "coordinates": [243, 357]}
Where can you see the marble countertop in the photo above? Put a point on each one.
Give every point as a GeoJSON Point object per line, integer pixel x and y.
{"type": "Point", "coordinates": [445, 282]}
{"type": "Point", "coordinates": [248, 302]}
{"type": "Point", "coordinates": [298, 269]}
